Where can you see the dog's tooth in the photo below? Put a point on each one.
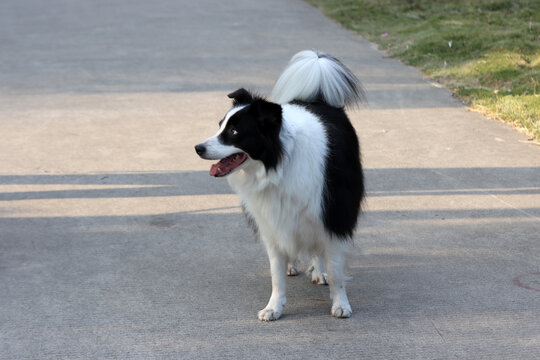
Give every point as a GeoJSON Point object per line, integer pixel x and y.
{"type": "Point", "coordinates": [219, 170]}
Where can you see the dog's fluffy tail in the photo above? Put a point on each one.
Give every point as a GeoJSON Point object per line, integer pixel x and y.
{"type": "Point", "coordinates": [314, 76]}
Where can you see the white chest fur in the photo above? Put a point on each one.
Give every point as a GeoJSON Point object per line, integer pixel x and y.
{"type": "Point", "coordinates": [286, 202]}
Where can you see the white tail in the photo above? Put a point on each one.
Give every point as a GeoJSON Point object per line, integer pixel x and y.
{"type": "Point", "coordinates": [314, 76]}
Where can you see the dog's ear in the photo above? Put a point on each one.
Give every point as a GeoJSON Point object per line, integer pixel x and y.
{"type": "Point", "coordinates": [241, 96]}
{"type": "Point", "coordinates": [268, 115]}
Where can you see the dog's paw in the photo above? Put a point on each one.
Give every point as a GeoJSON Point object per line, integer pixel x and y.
{"type": "Point", "coordinates": [269, 315]}
{"type": "Point", "coordinates": [319, 278]}
{"type": "Point", "coordinates": [341, 311]}
{"type": "Point", "coordinates": [292, 270]}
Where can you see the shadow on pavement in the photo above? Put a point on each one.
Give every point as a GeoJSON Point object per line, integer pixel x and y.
{"type": "Point", "coordinates": [380, 182]}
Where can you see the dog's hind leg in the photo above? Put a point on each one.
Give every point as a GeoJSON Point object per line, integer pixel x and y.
{"type": "Point", "coordinates": [318, 271]}
{"type": "Point", "coordinates": [335, 263]}
{"type": "Point", "coordinates": [278, 267]}
{"type": "Point", "coordinates": [292, 270]}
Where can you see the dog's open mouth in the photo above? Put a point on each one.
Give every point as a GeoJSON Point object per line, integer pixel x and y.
{"type": "Point", "coordinates": [226, 165]}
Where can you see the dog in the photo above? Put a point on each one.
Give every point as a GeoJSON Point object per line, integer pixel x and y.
{"type": "Point", "coordinates": [294, 161]}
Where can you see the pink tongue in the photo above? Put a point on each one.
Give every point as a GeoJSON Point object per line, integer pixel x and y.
{"type": "Point", "coordinates": [226, 165]}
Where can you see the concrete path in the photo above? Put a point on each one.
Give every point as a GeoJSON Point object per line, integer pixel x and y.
{"type": "Point", "coordinates": [116, 243]}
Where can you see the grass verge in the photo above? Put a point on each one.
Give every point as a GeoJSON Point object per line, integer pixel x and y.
{"type": "Point", "coordinates": [486, 51]}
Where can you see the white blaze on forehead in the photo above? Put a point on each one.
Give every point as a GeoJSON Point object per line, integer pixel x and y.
{"type": "Point", "coordinates": [229, 114]}
{"type": "Point", "coordinates": [214, 148]}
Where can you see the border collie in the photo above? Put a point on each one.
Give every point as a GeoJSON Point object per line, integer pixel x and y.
{"type": "Point", "coordinates": [295, 163]}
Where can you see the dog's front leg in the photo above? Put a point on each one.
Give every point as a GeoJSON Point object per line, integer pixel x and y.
{"type": "Point", "coordinates": [278, 267]}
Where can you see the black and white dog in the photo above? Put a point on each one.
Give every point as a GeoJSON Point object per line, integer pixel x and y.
{"type": "Point", "coordinates": [295, 164]}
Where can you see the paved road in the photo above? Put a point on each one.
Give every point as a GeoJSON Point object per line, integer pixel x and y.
{"type": "Point", "coordinates": [116, 243]}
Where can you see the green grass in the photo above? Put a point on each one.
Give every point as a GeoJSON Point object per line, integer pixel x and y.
{"type": "Point", "coordinates": [486, 51]}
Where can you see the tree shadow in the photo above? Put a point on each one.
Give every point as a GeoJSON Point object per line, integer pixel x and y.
{"type": "Point", "coordinates": [140, 185]}
{"type": "Point", "coordinates": [380, 182]}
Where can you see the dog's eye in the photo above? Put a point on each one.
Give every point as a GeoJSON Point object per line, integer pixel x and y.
{"type": "Point", "coordinates": [233, 131]}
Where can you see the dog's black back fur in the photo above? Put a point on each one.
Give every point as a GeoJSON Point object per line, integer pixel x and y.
{"type": "Point", "coordinates": [344, 180]}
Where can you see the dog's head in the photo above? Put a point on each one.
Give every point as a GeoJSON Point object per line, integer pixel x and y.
{"type": "Point", "coordinates": [248, 132]}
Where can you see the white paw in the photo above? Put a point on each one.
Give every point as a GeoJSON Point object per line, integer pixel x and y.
{"type": "Point", "coordinates": [319, 278]}
{"type": "Point", "coordinates": [341, 311]}
{"type": "Point", "coordinates": [269, 315]}
{"type": "Point", "coordinates": [292, 270]}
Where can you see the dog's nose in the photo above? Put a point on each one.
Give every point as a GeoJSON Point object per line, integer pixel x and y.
{"type": "Point", "coordinates": [200, 149]}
